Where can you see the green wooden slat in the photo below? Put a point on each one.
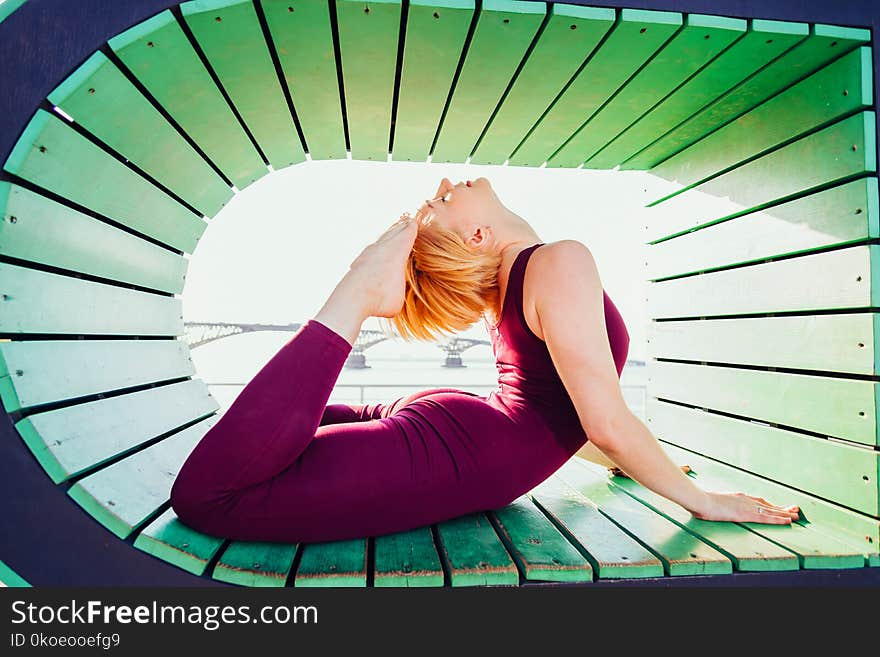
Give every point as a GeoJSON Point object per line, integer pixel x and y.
{"type": "Point", "coordinates": [123, 495]}
{"type": "Point", "coordinates": [124, 196]}
{"type": "Point", "coordinates": [431, 51]}
{"type": "Point", "coordinates": [407, 559]}
{"type": "Point", "coordinates": [493, 55]}
{"type": "Point", "coordinates": [33, 301]}
{"type": "Point", "coordinates": [255, 563]}
{"type": "Point", "coordinates": [158, 52]}
{"type": "Point", "coordinates": [558, 54]}
{"type": "Point", "coordinates": [303, 41]}
{"type": "Point", "coordinates": [540, 550]}
{"type": "Point", "coordinates": [103, 101]}
{"type": "Point", "coordinates": [368, 50]}
{"type": "Point", "coordinates": [833, 406]}
{"type": "Point", "coordinates": [238, 53]}
{"type": "Point", "coordinates": [50, 233]}
{"type": "Point", "coordinates": [681, 552]}
{"type": "Point", "coordinates": [843, 149]}
{"type": "Point", "coordinates": [821, 281]}
{"type": "Point", "coordinates": [695, 45]}
{"type": "Point", "coordinates": [9, 577]}
{"type": "Point", "coordinates": [839, 472]}
{"type": "Point", "coordinates": [72, 439]}
{"type": "Point", "coordinates": [43, 371]}
{"type": "Point", "coordinates": [824, 44]}
{"type": "Point", "coordinates": [474, 553]}
{"type": "Point", "coordinates": [170, 540]}
{"type": "Point", "coordinates": [837, 343]}
{"type": "Point", "coordinates": [612, 552]}
{"type": "Point", "coordinates": [333, 564]}
{"type": "Point", "coordinates": [624, 51]}
{"type": "Point", "coordinates": [764, 41]}
{"type": "Point", "coordinates": [836, 216]}
{"type": "Point", "coordinates": [837, 89]}
{"type": "Point", "coordinates": [6, 8]}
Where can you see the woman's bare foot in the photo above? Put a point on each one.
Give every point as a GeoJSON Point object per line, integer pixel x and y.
{"type": "Point", "coordinates": [617, 472]}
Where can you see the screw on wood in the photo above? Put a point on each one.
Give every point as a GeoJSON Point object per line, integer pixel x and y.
{"type": "Point", "coordinates": [366, 10]}
{"type": "Point", "coordinates": [574, 27]}
{"type": "Point", "coordinates": [290, 9]}
{"type": "Point", "coordinates": [643, 30]}
{"type": "Point", "coordinates": [19, 372]}
{"type": "Point", "coordinates": [833, 43]}
{"type": "Point", "coordinates": [436, 15]}
{"type": "Point", "coordinates": [858, 211]}
{"type": "Point", "coordinates": [91, 90]}
{"type": "Point", "coordinates": [42, 149]}
{"type": "Point", "coordinates": [506, 21]}
{"type": "Point", "coordinates": [769, 41]}
{"type": "Point", "coordinates": [855, 147]}
{"type": "Point", "coordinates": [846, 92]}
{"type": "Point", "coordinates": [150, 44]}
{"type": "Point", "coordinates": [217, 19]}
{"type": "Point", "coordinates": [13, 219]}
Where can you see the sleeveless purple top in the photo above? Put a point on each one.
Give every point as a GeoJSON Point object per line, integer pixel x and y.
{"type": "Point", "coordinates": [528, 383]}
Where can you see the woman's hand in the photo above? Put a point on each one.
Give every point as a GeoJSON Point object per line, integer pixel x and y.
{"type": "Point", "coordinates": [739, 507]}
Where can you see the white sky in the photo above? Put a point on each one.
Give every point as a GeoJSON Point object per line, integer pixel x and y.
{"type": "Point", "coordinates": [277, 249]}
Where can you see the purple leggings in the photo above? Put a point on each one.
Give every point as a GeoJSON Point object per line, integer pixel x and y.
{"type": "Point", "coordinates": [281, 465]}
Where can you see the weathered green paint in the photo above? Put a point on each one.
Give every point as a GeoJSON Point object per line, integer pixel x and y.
{"type": "Point", "coordinates": [833, 217]}
{"type": "Point", "coordinates": [162, 58]}
{"type": "Point", "coordinates": [170, 540]}
{"type": "Point", "coordinates": [70, 440]}
{"type": "Point", "coordinates": [44, 371]}
{"type": "Point", "coordinates": [35, 301]}
{"type": "Point", "coordinates": [613, 553]}
{"type": "Point", "coordinates": [255, 563]}
{"type": "Point", "coordinates": [763, 42]}
{"type": "Point", "coordinates": [333, 564]}
{"type": "Point", "coordinates": [504, 31]}
{"type": "Point", "coordinates": [474, 553]}
{"type": "Point", "coordinates": [570, 35]}
{"type": "Point", "coordinates": [304, 44]}
{"type": "Point", "coordinates": [431, 50]}
{"type": "Point", "coordinates": [538, 547]}
{"type": "Point", "coordinates": [691, 48]}
{"type": "Point", "coordinates": [123, 495]}
{"type": "Point", "coordinates": [407, 559]}
{"type": "Point", "coordinates": [368, 36]}
{"type": "Point", "coordinates": [810, 54]}
{"type": "Point", "coordinates": [43, 155]}
{"type": "Point", "coordinates": [50, 233]}
{"type": "Point", "coordinates": [624, 51]}
{"type": "Point", "coordinates": [237, 51]}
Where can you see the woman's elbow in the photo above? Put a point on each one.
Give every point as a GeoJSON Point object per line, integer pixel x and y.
{"type": "Point", "coordinates": [607, 434]}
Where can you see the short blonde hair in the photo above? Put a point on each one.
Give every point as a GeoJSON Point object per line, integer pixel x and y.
{"type": "Point", "coordinates": [449, 285]}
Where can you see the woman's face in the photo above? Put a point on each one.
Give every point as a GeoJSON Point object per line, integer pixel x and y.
{"type": "Point", "coordinates": [460, 206]}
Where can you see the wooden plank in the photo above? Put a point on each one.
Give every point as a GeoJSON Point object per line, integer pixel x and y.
{"type": "Point", "coordinates": [824, 44]}
{"type": "Point", "coordinates": [43, 155]}
{"type": "Point", "coordinates": [834, 343]}
{"type": "Point", "coordinates": [636, 36]}
{"type": "Point", "coordinates": [505, 29]}
{"type": "Point", "coordinates": [34, 301]}
{"type": "Point", "coordinates": [572, 32]}
{"type": "Point", "coordinates": [255, 563]}
{"type": "Point", "coordinates": [43, 371]}
{"type": "Point", "coordinates": [843, 473]}
{"type": "Point", "coordinates": [406, 559]}
{"type": "Point", "coordinates": [763, 42]}
{"type": "Point", "coordinates": [333, 564]}
{"type": "Point", "coordinates": [368, 38]}
{"type": "Point", "coordinates": [836, 407]}
{"type": "Point", "coordinates": [158, 52]}
{"type": "Point", "coordinates": [124, 495]}
{"type": "Point", "coordinates": [70, 440]}
{"type": "Point", "coordinates": [777, 286]}
{"type": "Point", "coordinates": [229, 33]}
{"type": "Point", "coordinates": [843, 150]}
{"type": "Point", "coordinates": [170, 540]}
{"type": "Point", "coordinates": [681, 552]}
{"type": "Point", "coordinates": [303, 42]}
{"type": "Point", "coordinates": [838, 89]}
{"type": "Point", "coordinates": [474, 554]}
{"type": "Point", "coordinates": [103, 101]}
{"type": "Point", "coordinates": [695, 45]}
{"type": "Point", "coordinates": [540, 550]}
{"type": "Point", "coordinates": [38, 229]}
{"type": "Point", "coordinates": [435, 35]}
{"type": "Point", "coordinates": [613, 553]}
{"type": "Point", "coordinates": [836, 216]}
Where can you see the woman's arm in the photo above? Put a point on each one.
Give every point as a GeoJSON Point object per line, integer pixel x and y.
{"type": "Point", "coordinates": [571, 314]}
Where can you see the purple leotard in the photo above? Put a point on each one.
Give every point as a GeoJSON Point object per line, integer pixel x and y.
{"type": "Point", "coordinates": [282, 465]}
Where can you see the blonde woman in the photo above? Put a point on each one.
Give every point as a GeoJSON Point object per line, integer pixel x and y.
{"type": "Point", "coordinates": [282, 465]}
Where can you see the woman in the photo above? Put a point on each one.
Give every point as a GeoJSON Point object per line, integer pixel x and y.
{"type": "Point", "coordinates": [281, 465]}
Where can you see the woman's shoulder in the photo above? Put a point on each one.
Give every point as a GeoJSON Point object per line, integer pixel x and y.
{"type": "Point", "coordinates": [561, 259]}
